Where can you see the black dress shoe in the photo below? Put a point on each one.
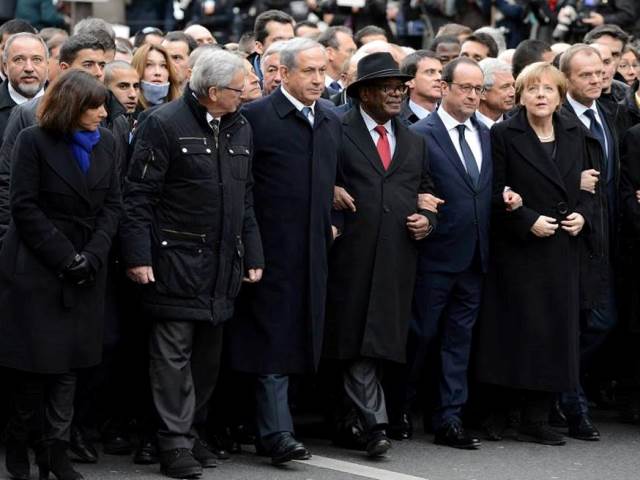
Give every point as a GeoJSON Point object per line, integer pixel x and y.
{"type": "Point", "coordinates": [203, 454]}
{"type": "Point", "coordinates": [147, 451]}
{"type": "Point", "coordinates": [539, 433]}
{"type": "Point", "coordinates": [378, 444]}
{"type": "Point", "coordinates": [179, 463]}
{"type": "Point", "coordinates": [401, 428]}
{"type": "Point", "coordinates": [217, 445]}
{"type": "Point", "coordinates": [557, 417]}
{"type": "Point", "coordinates": [285, 448]}
{"type": "Point", "coordinates": [81, 447]}
{"type": "Point", "coordinates": [17, 460]}
{"type": "Point", "coordinates": [116, 443]}
{"type": "Point", "coordinates": [580, 427]}
{"type": "Point", "coordinates": [454, 435]}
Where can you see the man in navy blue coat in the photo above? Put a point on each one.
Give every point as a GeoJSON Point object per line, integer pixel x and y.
{"type": "Point", "coordinates": [279, 325]}
{"type": "Point", "coordinates": [453, 260]}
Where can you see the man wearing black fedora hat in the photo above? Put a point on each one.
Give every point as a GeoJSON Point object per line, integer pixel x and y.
{"type": "Point", "coordinates": [384, 167]}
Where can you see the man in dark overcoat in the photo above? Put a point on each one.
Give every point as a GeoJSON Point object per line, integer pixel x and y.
{"type": "Point", "coordinates": [190, 236]}
{"type": "Point", "coordinates": [372, 265]}
{"type": "Point", "coordinates": [279, 324]}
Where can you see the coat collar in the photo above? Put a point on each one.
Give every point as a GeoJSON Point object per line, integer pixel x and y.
{"type": "Point", "coordinates": [5, 99]}
{"type": "Point", "coordinates": [284, 108]}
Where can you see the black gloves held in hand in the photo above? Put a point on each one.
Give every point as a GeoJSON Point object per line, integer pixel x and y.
{"type": "Point", "coordinates": [79, 271]}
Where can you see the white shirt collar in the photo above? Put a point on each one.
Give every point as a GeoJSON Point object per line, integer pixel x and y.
{"type": "Point", "coordinates": [328, 80]}
{"type": "Point", "coordinates": [450, 123]}
{"type": "Point", "coordinates": [371, 123]}
{"type": "Point", "coordinates": [579, 108]}
{"type": "Point", "coordinates": [20, 99]}
{"type": "Point", "coordinates": [419, 111]}
{"type": "Point", "coordinates": [210, 118]}
{"type": "Point", "coordinates": [297, 103]}
{"type": "Point", "coordinates": [481, 117]}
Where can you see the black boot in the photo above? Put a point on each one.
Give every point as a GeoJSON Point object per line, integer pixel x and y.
{"type": "Point", "coordinates": [52, 457]}
{"type": "Point", "coordinates": [17, 459]}
{"type": "Point", "coordinates": [81, 447]}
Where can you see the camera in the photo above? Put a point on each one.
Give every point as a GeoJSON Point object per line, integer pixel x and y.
{"type": "Point", "coordinates": [571, 16]}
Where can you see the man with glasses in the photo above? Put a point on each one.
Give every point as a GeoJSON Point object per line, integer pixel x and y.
{"type": "Point", "coordinates": [384, 166]}
{"type": "Point", "coordinates": [453, 260]}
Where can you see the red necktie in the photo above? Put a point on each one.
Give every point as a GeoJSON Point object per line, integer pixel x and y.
{"type": "Point", "coordinates": [384, 150]}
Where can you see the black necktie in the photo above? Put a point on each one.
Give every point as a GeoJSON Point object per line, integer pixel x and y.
{"type": "Point", "coordinates": [467, 156]}
{"type": "Point", "coordinates": [596, 130]}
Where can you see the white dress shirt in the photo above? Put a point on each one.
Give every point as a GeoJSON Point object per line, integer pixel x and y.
{"type": "Point", "coordinates": [419, 111]}
{"type": "Point", "coordinates": [328, 81]}
{"type": "Point", "coordinates": [580, 110]}
{"type": "Point", "coordinates": [299, 105]}
{"type": "Point", "coordinates": [471, 135]}
{"type": "Point", "coordinates": [20, 99]}
{"type": "Point", "coordinates": [372, 124]}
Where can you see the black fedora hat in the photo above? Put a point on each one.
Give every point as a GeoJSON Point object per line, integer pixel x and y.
{"type": "Point", "coordinates": [374, 66]}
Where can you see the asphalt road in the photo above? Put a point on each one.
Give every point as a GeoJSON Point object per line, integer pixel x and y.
{"type": "Point", "coordinates": [615, 457]}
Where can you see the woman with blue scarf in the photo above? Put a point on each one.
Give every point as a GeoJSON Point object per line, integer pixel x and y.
{"type": "Point", "coordinates": [65, 208]}
{"type": "Point", "coordinates": [158, 80]}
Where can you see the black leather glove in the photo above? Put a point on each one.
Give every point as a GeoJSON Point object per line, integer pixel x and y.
{"type": "Point", "coordinates": [79, 271]}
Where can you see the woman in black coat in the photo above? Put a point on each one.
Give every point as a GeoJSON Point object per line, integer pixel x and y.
{"type": "Point", "coordinates": [528, 332]}
{"type": "Point", "coordinates": [65, 208]}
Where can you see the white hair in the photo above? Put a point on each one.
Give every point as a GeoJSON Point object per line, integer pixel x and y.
{"type": "Point", "coordinates": [291, 49]}
{"type": "Point", "coordinates": [491, 66]}
{"type": "Point", "coordinates": [214, 68]}
{"type": "Point", "coordinates": [275, 47]}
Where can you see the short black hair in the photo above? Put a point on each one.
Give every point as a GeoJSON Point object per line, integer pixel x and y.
{"type": "Point", "coordinates": [607, 29]}
{"type": "Point", "coordinates": [409, 65]}
{"type": "Point", "coordinates": [304, 23]}
{"type": "Point", "coordinates": [180, 36]}
{"type": "Point", "coordinates": [75, 43]}
{"type": "Point", "coordinates": [368, 31]}
{"type": "Point", "coordinates": [329, 38]}
{"type": "Point", "coordinates": [450, 68]}
{"type": "Point", "coordinates": [14, 26]}
{"type": "Point", "coordinates": [486, 40]}
{"type": "Point", "coordinates": [442, 39]}
{"type": "Point", "coordinates": [528, 52]}
{"type": "Point", "coordinates": [260, 25]}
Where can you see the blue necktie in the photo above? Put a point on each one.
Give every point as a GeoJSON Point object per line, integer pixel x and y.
{"type": "Point", "coordinates": [467, 156]}
{"type": "Point", "coordinates": [596, 130]}
{"type": "Point", "coordinates": [306, 111]}
{"type": "Point", "coordinates": [336, 86]}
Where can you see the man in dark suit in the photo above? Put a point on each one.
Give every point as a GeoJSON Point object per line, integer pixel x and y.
{"type": "Point", "coordinates": [270, 26]}
{"type": "Point", "coordinates": [583, 67]}
{"type": "Point", "coordinates": [25, 63]}
{"type": "Point", "coordinates": [453, 260]}
{"type": "Point", "coordinates": [340, 47]}
{"type": "Point", "coordinates": [279, 323]}
{"type": "Point", "coordinates": [384, 165]}
{"type": "Point", "coordinates": [425, 91]}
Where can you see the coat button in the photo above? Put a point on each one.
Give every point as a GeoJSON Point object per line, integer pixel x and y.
{"type": "Point", "coordinates": [228, 135]}
{"type": "Point", "coordinates": [230, 151]}
{"type": "Point", "coordinates": [184, 150]}
{"type": "Point", "coordinates": [208, 150]}
{"type": "Point", "coordinates": [165, 243]}
{"type": "Point", "coordinates": [386, 209]}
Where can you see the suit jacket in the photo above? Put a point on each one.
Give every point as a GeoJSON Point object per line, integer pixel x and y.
{"type": "Point", "coordinates": [280, 320]}
{"type": "Point", "coordinates": [6, 105]}
{"type": "Point", "coordinates": [406, 114]}
{"type": "Point", "coordinates": [463, 220]}
{"type": "Point", "coordinates": [368, 309]}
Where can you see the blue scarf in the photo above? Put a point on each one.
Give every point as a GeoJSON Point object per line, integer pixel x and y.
{"type": "Point", "coordinates": [82, 143]}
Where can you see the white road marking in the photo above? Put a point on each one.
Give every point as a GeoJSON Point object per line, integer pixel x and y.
{"type": "Point", "coordinates": [357, 469]}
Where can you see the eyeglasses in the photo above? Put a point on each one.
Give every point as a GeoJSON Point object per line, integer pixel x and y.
{"type": "Point", "coordinates": [397, 89]}
{"type": "Point", "coordinates": [468, 88]}
{"type": "Point", "coordinates": [237, 90]}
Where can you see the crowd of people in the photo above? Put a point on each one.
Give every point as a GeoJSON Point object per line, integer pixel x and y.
{"type": "Point", "coordinates": [197, 237]}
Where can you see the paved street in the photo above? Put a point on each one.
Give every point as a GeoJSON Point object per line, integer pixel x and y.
{"type": "Point", "coordinates": [616, 457]}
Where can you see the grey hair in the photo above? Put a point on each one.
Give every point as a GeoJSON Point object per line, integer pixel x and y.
{"type": "Point", "coordinates": [214, 68]}
{"type": "Point", "coordinates": [116, 65]}
{"type": "Point", "coordinates": [491, 66]}
{"type": "Point", "coordinates": [17, 36]}
{"type": "Point", "coordinates": [195, 55]}
{"type": "Point", "coordinates": [497, 35]}
{"type": "Point", "coordinates": [91, 24]}
{"type": "Point", "coordinates": [275, 47]}
{"type": "Point", "coordinates": [289, 54]}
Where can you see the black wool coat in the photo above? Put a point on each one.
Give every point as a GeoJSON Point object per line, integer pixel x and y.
{"type": "Point", "coordinates": [528, 330]}
{"type": "Point", "coordinates": [372, 264]}
{"type": "Point", "coordinates": [280, 320]}
{"type": "Point", "coordinates": [48, 324]}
